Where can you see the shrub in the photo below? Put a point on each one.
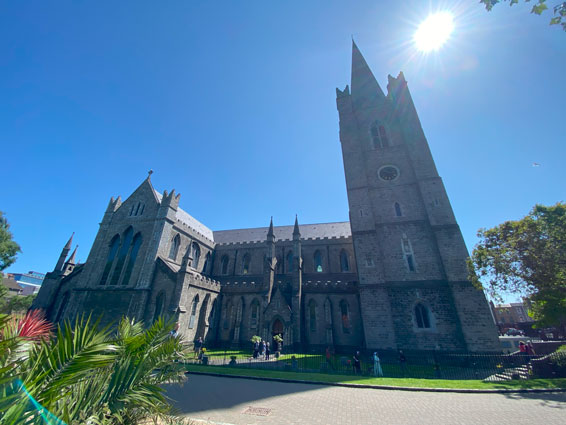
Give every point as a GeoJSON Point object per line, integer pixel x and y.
{"type": "Point", "coordinates": [83, 374]}
{"type": "Point", "coordinates": [552, 365]}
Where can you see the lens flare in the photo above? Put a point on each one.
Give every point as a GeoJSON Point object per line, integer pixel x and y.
{"type": "Point", "coordinates": [434, 31]}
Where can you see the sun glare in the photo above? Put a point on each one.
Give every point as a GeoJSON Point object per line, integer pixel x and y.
{"type": "Point", "coordinates": [434, 31]}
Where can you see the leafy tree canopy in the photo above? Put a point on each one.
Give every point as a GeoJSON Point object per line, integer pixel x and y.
{"type": "Point", "coordinates": [526, 257]}
{"type": "Point", "coordinates": [539, 7]}
{"type": "Point", "coordinates": [8, 248]}
{"type": "Point", "coordinates": [15, 303]}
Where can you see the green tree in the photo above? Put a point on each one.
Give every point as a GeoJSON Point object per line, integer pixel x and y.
{"type": "Point", "coordinates": [15, 303]}
{"type": "Point", "coordinates": [527, 257]}
{"type": "Point", "coordinates": [538, 8]}
{"type": "Point", "coordinates": [8, 248]}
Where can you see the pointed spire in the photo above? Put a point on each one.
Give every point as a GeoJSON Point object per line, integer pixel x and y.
{"type": "Point", "coordinates": [270, 233]}
{"type": "Point", "coordinates": [73, 256]}
{"type": "Point", "coordinates": [296, 231]}
{"type": "Point", "coordinates": [364, 84]}
{"type": "Point", "coordinates": [69, 242]}
{"type": "Point", "coordinates": [64, 253]}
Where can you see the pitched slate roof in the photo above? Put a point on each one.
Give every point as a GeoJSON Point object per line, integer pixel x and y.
{"type": "Point", "coordinates": [189, 220]}
{"type": "Point", "coordinates": [259, 234]}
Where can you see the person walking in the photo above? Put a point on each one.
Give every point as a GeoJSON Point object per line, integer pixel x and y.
{"type": "Point", "coordinates": [377, 371]}
{"type": "Point", "coordinates": [522, 348]}
{"type": "Point", "coordinates": [256, 349]}
{"type": "Point", "coordinates": [267, 352]}
{"type": "Point", "coordinates": [175, 331]}
{"type": "Point", "coordinates": [402, 362]}
{"type": "Point", "coordinates": [328, 356]}
{"type": "Point", "coordinates": [530, 349]}
{"type": "Point", "coordinates": [262, 348]}
{"type": "Point", "coordinates": [198, 347]}
{"type": "Point", "coordinates": [357, 363]}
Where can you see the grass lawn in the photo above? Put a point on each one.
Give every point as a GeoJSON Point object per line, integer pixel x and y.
{"type": "Point", "coordinates": [394, 382]}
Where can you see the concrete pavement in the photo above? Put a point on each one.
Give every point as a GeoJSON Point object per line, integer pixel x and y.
{"type": "Point", "coordinates": [243, 401]}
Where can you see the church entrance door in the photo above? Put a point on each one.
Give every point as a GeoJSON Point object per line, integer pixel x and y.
{"type": "Point", "coordinates": [277, 329]}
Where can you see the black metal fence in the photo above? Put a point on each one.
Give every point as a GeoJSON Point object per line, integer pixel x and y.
{"type": "Point", "coordinates": [411, 364]}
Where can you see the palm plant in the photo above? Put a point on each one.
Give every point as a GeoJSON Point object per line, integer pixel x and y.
{"type": "Point", "coordinates": [84, 374]}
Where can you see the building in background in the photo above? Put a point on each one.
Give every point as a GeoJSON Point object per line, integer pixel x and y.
{"type": "Point", "coordinates": [29, 282]}
{"type": "Point", "coordinates": [10, 283]}
{"type": "Point", "coordinates": [513, 316]}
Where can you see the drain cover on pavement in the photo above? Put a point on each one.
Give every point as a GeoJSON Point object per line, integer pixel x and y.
{"type": "Point", "coordinates": [258, 411]}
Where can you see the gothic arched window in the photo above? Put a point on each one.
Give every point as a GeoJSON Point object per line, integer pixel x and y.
{"type": "Point", "coordinates": [227, 313]}
{"type": "Point", "coordinates": [206, 263]}
{"type": "Point", "coordinates": [193, 312]}
{"type": "Point", "coordinates": [398, 211]}
{"type": "Point", "coordinates": [246, 264]}
{"type": "Point", "coordinates": [279, 265]}
{"type": "Point", "coordinates": [174, 251]}
{"type": "Point", "coordinates": [328, 320]}
{"type": "Point", "coordinates": [344, 261]}
{"type": "Point", "coordinates": [224, 265]}
{"type": "Point", "coordinates": [254, 314]}
{"type": "Point", "coordinates": [408, 253]}
{"type": "Point", "coordinates": [133, 254]}
{"type": "Point", "coordinates": [345, 315]}
{"type": "Point", "coordinates": [196, 255]}
{"type": "Point", "coordinates": [211, 322]}
{"type": "Point", "coordinates": [317, 262]}
{"type": "Point", "coordinates": [422, 317]}
{"type": "Point", "coordinates": [127, 240]}
{"type": "Point", "coordinates": [379, 135]}
{"type": "Point", "coordinates": [159, 305]}
{"type": "Point", "coordinates": [290, 262]}
{"type": "Point", "coordinates": [312, 315]}
{"type": "Point", "coordinates": [113, 249]}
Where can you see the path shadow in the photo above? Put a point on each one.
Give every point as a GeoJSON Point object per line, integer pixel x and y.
{"type": "Point", "coordinates": [202, 392]}
{"type": "Point", "coordinates": [554, 400]}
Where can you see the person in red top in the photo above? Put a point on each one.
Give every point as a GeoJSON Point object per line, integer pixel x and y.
{"type": "Point", "coordinates": [522, 348]}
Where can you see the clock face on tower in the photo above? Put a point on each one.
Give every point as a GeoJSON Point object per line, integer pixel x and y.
{"type": "Point", "coordinates": [388, 173]}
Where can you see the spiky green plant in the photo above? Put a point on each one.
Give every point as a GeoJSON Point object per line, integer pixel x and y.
{"type": "Point", "coordinates": [84, 374]}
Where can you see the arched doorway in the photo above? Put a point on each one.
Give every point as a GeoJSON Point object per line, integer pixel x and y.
{"type": "Point", "coordinates": [277, 329]}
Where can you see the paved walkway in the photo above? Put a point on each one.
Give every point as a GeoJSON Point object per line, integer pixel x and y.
{"type": "Point", "coordinates": [244, 401]}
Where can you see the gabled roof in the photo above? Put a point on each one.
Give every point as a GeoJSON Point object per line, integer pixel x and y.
{"type": "Point", "coordinates": [259, 234]}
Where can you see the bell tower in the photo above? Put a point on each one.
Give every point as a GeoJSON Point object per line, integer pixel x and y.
{"type": "Point", "coordinates": [410, 253]}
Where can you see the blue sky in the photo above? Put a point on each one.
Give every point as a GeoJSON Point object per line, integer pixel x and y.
{"type": "Point", "coordinates": [233, 105]}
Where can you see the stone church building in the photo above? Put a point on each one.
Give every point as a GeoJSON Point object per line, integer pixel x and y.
{"type": "Point", "coordinates": [392, 277]}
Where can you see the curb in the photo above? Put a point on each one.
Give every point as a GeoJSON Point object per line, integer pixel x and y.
{"type": "Point", "coordinates": [387, 387]}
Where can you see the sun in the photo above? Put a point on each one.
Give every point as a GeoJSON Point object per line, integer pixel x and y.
{"type": "Point", "coordinates": [434, 31]}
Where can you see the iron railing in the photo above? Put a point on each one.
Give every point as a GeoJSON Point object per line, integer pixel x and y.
{"type": "Point", "coordinates": [417, 364]}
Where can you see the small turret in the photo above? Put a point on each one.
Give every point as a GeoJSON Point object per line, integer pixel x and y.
{"type": "Point", "coordinates": [297, 244]}
{"type": "Point", "coordinates": [63, 256]}
{"type": "Point", "coordinates": [270, 234]}
{"type": "Point", "coordinates": [296, 231]}
{"type": "Point", "coordinates": [187, 259]}
{"type": "Point", "coordinates": [297, 284]}
{"type": "Point", "coordinates": [71, 262]}
{"type": "Point", "coordinates": [169, 204]}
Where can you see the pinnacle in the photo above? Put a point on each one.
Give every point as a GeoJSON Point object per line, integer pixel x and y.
{"type": "Point", "coordinates": [69, 242]}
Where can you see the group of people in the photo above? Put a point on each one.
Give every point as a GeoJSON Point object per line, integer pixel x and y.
{"type": "Point", "coordinates": [261, 350]}
{"type": "Point", "coordinates": [357, 364]}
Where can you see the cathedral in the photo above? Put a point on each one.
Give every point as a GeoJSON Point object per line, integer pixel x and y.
{"type": "Point", "coordinates": [393, 277]}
